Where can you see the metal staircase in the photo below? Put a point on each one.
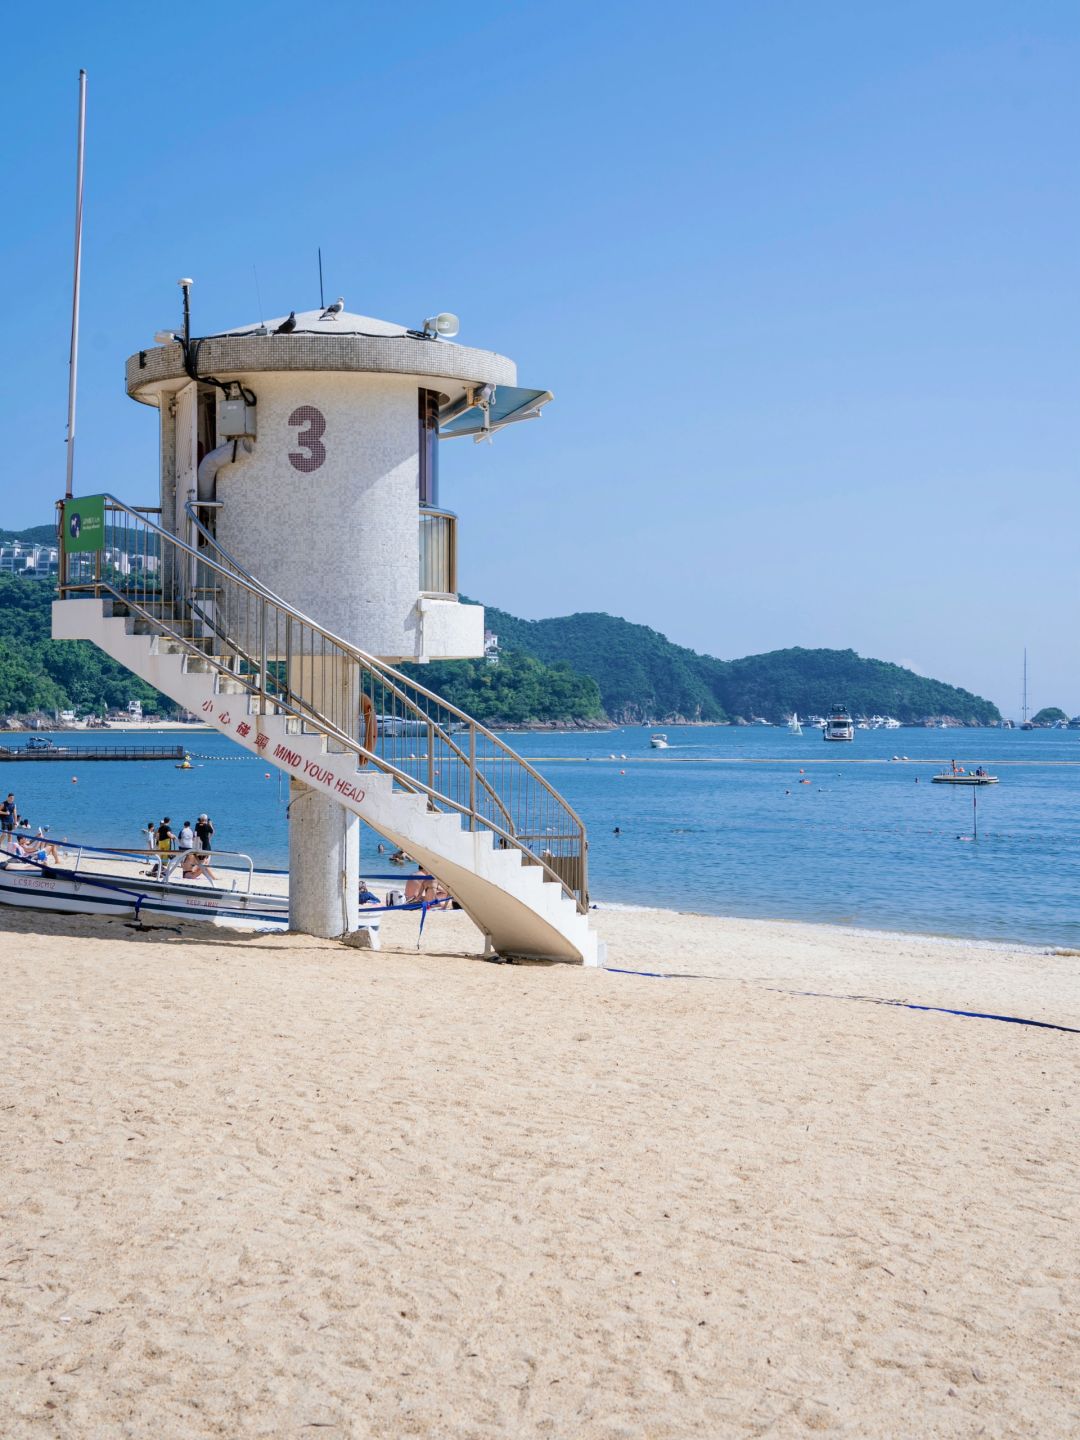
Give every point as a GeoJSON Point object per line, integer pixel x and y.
{"type": "Point", "coordinates": [188, 619]}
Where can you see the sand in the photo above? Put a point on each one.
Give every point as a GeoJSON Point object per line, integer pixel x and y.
{"type": "Point", "coordinates": [275, 1187]}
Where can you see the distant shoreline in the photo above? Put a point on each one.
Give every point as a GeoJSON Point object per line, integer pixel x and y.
{"type": "Point", "coordinates": [149, 727]}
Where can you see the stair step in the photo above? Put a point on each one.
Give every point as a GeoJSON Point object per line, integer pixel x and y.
{"type": "Point", "coordinates": [502, 886]}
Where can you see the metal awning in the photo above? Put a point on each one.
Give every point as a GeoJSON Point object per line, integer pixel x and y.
{"type": "Point", "coordinates": [487, 408]}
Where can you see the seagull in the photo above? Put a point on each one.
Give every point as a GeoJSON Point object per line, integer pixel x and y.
{"type": "Point", "coordinates": [333, 311]}
{"type": "Point", "coordinates": [287, 326]}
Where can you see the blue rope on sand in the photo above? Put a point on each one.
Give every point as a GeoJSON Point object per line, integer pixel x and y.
{"type": "Point", "coordinates": [866, 999]}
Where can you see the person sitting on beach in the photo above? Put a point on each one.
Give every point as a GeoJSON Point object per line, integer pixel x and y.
{"type": "Point", "coordinates": [368, 897]}
{"type": "Point", "coordinates": [37, 848]}
{"type": "Point", "coordinates": [416, 887]}
{"type": "Point", "coordinates": [193, 865]}
{"type": "Point", "coordinates": [425, 888]}
{"type": "Point", "coordinates": [439, 895]}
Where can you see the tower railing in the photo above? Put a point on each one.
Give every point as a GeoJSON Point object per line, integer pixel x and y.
{"type": "Point", "coordinates": [205, 602]}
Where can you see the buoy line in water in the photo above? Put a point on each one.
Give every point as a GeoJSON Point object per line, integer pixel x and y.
{"type": "Point", "coordinates": [772, 760]}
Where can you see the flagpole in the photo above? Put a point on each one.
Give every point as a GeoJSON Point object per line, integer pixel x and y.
{"type": "Point", "coordinates": [73, 364]}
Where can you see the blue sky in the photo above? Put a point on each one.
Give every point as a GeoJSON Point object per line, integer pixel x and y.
{"type": "Point", "coordinates": [805, 280]}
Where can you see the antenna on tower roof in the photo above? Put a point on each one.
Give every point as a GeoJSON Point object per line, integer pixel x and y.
{"type": "Point", "coordinates": [73, 361]}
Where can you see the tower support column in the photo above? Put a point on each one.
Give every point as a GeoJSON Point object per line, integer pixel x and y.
{"type": "Point", "coordinates": [324, 864]}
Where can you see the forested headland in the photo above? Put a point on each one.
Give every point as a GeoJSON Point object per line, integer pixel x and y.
{"type": "Point", "coordinates": [582, 669]}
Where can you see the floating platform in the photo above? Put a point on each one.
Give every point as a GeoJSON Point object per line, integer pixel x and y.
{"type": "Point", "coordinates": [963, 779]}
{"type": "Point", "coordinates": [92, 752]}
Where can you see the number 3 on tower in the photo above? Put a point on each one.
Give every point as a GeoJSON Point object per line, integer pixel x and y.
{"type": "Point", "coordinates": [309, 439]}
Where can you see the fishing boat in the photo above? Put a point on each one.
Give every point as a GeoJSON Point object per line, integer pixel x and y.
{"type": "Point", "coordinates": [85, 880]}
{"type": "Point", "coordinates": [794, 728]}
{"type": "Point", "coordinates": [838, 726]}
{"type": "Point", "coordinates": [659, 741]}
{"type": "Point", "coordinates": [957, 775]}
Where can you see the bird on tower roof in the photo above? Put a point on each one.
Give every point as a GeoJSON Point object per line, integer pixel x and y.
{"type": "Point", "coordinates": [333, 311]}
{"type": "Point", "coordinates": [287, 326]}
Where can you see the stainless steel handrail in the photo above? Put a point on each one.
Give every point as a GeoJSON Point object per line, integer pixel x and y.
{"type": "Point", "coordinates": [374, 664]}
{"type": "Point", "coordinates": [208, 604]}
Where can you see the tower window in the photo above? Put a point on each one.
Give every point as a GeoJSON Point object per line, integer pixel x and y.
{"type": "Point", "coordinates": [429, 448]}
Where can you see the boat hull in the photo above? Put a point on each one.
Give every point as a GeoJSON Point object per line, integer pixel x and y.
{"type": "Point", "coordinates": [66, 894]}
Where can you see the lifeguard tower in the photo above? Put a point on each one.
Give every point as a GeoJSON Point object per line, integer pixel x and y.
{"type": "Point", "coordinates": [299, 552]}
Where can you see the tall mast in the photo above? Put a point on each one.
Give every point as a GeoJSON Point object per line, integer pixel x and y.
{"type": "Point", "coordinates": [1024, 706]}
{"type": "Point", "coordinates": [73, 364]}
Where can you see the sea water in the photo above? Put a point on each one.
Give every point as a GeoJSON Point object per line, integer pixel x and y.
{"type": "Point", "coordinates": [728, 821]}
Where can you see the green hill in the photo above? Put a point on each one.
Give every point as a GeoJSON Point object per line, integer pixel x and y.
{"type": "Point", "coordinates": [36, 535]}
{"type": "Point", "coordinates": [574, 668]}
{"type": "Point", "coordinates": [517, 690]}
{"type": "Point", "coordinates": [810, 681]}
{"type": "Point", "coordinates": [41, 674]}
{"type": "Point", "coordinates": [643, 676]}
{"type": "Point", "coordinates": [1049, 715]}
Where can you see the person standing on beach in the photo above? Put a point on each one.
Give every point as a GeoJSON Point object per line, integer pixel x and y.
{"type": "Point", "coordinates": [204, 829]}
{"type": "Point", "coordinates": [149, 836]}
{"type": "Point", "coordinates": [166, 841]}
{"type": "Point", "coordinates": [186, 839]}
{"type": "Point", "coordinates": [9, 813]}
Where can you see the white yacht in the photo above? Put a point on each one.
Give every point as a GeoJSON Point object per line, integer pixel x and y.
{"type": "Point", "coordinates": [658, 741]}
{"type": "Point", "coordinates": [838, 726]}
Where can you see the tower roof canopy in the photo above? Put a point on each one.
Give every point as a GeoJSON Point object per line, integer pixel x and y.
{"type": "Point", "coordinates": [341, 342]}
{"type": "Point", "coordinates": [311, 322]}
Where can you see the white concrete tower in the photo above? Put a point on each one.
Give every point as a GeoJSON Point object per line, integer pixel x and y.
{"type": "Point", "coordinates": [310, 446]}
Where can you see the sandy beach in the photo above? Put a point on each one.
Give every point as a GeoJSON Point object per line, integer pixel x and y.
{"type": "Point", "coordinates": [277, 1187]}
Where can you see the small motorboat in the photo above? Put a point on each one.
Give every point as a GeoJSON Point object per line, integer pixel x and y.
{"type": "Point", "coordinates": [659, 741]}
{"type": "Point", "coordinates": [72, 879]}
{"type": "Point", "coordinates": [85, 880]}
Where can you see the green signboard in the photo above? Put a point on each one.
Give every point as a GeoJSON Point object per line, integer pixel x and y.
{"type": "Point", "coordinates": [84, 524]}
